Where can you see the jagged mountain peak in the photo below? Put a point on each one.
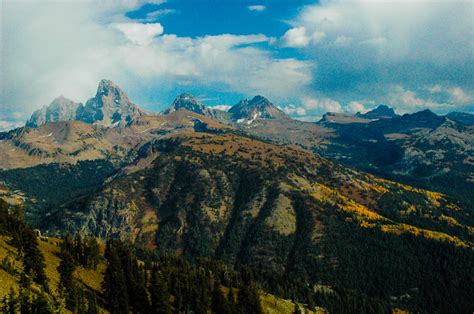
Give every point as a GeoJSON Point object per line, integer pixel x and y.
{"type": "Point", "coordinates": [462, 117]}
{"type": "Point", "coordinates": [61, 99]}
{"type": "Point", "coordinates": [424, 115]}
{"type": "Point", "coordinates": [380, 112]}
{"type": "Point", "coordinates": [110, 106]}
{"type": "Point", "coordinates": [108, 89]}
{"type": "Point", "coordinates": [105, 83]}
{"type": "Point", "coordinates": [258, 107]}
{"type": "Point", "coordinates": [260, 100]}
{"type": "Point", "coordinates": [188, 102]}
{"type": "Point", "coordinates": [60, 109]}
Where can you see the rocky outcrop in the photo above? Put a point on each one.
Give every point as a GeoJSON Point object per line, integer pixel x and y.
{"type": "Point", "coordinates": [61, 109]}
{"type": "Point", "coordinates": [109, 107]}
{"type": "Point", "coordinates": [256, 108]}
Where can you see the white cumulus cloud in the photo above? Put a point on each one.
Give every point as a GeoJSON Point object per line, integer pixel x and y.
{"type": "Point", "coordinates": [355, 106]}
{"type": "Point", "coordinates": [321, 104]}
{"type": "Point", "coordinates": [221, 107]}
{"type": "Point", "coordinates": [139, 33]}
{"type": "Point", "coordinates": [369, 46]}
{"type": "Point", "coordinates": [298, 37]}
{"type": "Point", "coordinates": [294, 110]}
{"type": "Point", "coordinates": [67, 47]}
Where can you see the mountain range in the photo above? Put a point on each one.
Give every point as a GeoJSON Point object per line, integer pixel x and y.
{"type": "Point", "coordinates": [110, 106]}
{"type": "Point", "coordinates": [336, 204]}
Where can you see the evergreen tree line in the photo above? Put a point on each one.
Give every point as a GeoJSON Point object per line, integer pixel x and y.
{"type": "Point", "coordinates": [73, 252]}
{"type": "Point", "coordinates": [24, 303]}
{"type": "Point", "coordinates": [168, 284]}
{"type": "Point", "coordinates": [24, 240]}
{"type": "Point", "coordinates": [84, 252]}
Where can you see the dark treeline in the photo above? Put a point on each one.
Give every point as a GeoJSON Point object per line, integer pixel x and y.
{"type": "Point", "coordinates": [146, 282]}
{"type": "Point", "coordinates": [23, 238]}
{"type": "Point", "coordinates": [38, 298]}
{"type": "Point", "coordinates": [83, 252]}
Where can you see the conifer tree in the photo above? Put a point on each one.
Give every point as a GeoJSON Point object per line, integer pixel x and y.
{"type": "Point", "coordinates": [66, 269]}
{"type": "Point", "coordinates": [40, 305]}
{"type": "Point", "coordinates": [79, 250]}
{"type": "Point", "coordinates": [219, 303]}
{"type": "Point", "coordinates": [114, 285]}
{"type": "Point", "coordinates": [10, 303]}
{"type": "Point", "coordinates": [141, 303]}
{"type": "Point", "coordinates": [92, 307]}
{"type": "Point", "coordinates": [33, 260]}
{"type": "Point", "coordinates": [91, 252]}
{"type": "Point", "coordinates": [24, 299]}
{"type": "Point", "coordinates": [159, 295]}
{"type": "Point", "coordinates": [248, 300]}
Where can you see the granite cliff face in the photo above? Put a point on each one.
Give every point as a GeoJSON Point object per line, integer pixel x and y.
{"type": "Point", "coordinates": [109, 107]}
{"type": "Point", "coordinates": [189, 102]}
{"type": "Point", "coordinates": [61, 109]}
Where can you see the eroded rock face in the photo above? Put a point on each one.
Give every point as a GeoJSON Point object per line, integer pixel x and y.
{"type": "Point", "coordinates": [61, 109]}
{"type": "Point", "coordinates": [257, 108]}
{"type": "Point", "coordinates": [188, 102]}
{"type": "Point", "coordinates": [110, 106]}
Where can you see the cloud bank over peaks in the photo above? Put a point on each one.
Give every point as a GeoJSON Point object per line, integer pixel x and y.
{"type": "Point", "coordinates": [363, 49]}
{"type": "Point", "coordinates": [97, 41]}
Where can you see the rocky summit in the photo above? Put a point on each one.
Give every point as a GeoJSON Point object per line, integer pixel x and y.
{"type": "Point", "coordinates": [61, 109]}
{"type": "Point", "coordinates": [109, 107]}
{"type": "Point", "coordinates": [257, 108]}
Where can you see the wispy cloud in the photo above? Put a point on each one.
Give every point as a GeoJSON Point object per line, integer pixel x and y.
{"type": "Point", "coordinates": [8, 125]}
{"type": "Point", "coordinates": [221, 107]}
{"type": "Point", "coordinates": [257, 8]}
{"type": "Point", "coordinates": [156, 15]}
{"type": "Point", "coordinates": [321, 105]}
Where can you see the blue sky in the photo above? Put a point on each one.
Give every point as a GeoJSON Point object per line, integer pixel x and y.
{"type": "Point", "coordinates": [305, 56]}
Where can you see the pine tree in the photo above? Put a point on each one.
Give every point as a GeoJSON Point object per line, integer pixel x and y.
{"type": "Point", "coordinates": [66, 269]}
{"type": "Point", "coordinates": [249, 300]}
{"type": "Point", "coordinates": [297, 309]}
{"type": "Point", "coordinates": [67, 244]}
{"type": "Point", "coordinates": [33, 260]}
{"type": "Point", "coordinates": [25, 303]}
{"type": "Point", "coordinates": [231, 300]}
{"type": "Point", "coordinates": [219, 303]}
{"type": "Point", "coordinates": [10, 303]}
{"type": "Point", "coordinates": [92, 307]}
{"type": "Point", "coordinates": [114, 284]}
{"type": "Point", "coordinates": [40, 305]}
{"type": "Point", "coordinates": [91, 252]}
{"type": "Point", "coordinates": [79, 250]}
{"type": "Point", "coordinates": [141, 303]}
{"type": "Point", "coordinates": [160, 298]}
